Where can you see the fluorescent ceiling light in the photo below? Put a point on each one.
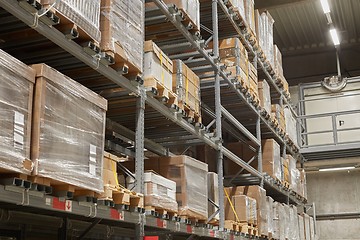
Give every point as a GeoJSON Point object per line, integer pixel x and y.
{"type": "Point", "coordinates": [325, 6]}
{"type": "Point", "coordinates": [335, 169]}
{"type": "Point", "coordinates": [334, 36]}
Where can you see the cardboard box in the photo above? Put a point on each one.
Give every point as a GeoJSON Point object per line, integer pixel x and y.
{"type": "Point", "coordinates": [278, 68]}
{"type": "Point", "coordinates": [186, 84]}
{"type": "Point", "coordinates": [158, 68]}
{"type": "Point", "coordinates": [264, 95]}
{"type": "Point", "coordinates": [301, 227]}
{"type": "Point", "coordinates": [68, 131]}
{"type": "Point", "coordinates": [16, 101]}
{"type": "Point", "coordinates": [259, 194]}
{"type": "Point", "coordinates": [160, 192]}
{"type": "Point", "coordinates": [270, 215]}
{"type": "Point", "coordinates": [307, 224]}
{"type": "Point", "coordinates": [190, 176]}
{"type": "Point", "coordinates": [291, 126]}
{"type": "Point", "coordinates": [245, 209]}
{"type": "Point", "coordinates": [122, 32]}
{"type": "Point", "coordinates": [278, 112]}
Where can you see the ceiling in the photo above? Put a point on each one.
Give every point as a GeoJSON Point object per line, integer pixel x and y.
{"type": "Point", "coordinates": [302, 33]}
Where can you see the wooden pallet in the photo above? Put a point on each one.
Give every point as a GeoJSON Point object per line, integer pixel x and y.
{"type": "Point", "coordinates": [192, 115]}
{"type": "Point", "coordinates": [119, 61]}
{"type": "Point", "coordinates": [249, 228]}
{"type": "Point", "coordinates": [161, 92]}
{"type": "Point", "coordinates": [161, 212]}
{"type": "Point", "coordinates": [121, 196]}
{"type": "Point", "coordinates": [72, 30]}
{"type": "Point", "coordinates": [265, 113]}
{"type": "Point", "coordinates": [231, 225]}
{"type": "Point", "coordinates": [286, 185]}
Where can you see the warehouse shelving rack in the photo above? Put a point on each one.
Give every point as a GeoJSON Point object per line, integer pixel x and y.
{"type": "Point", "coordinates": [66, 55]}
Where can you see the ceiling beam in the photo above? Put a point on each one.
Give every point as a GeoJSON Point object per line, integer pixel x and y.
{"type": "Point", "coordinates": [271, 4]}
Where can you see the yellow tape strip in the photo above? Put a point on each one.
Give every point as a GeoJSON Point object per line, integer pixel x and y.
{"type": "Point", "coordinates": [162, 71]}
{"type": "Point", "coordinates": [231, 205]}
{"type": "Point", "coordinates": [115, 174]}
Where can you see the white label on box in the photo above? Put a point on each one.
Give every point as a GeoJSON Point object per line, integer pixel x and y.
{"type": "Point", "coordinates": [92, 169]}
{"type": "Point", "coordinates": [92, 156]}
{"type": "Point", "coordinates": [19, 123]}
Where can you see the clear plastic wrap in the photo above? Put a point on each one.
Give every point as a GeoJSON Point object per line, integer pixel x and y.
{"type": "Point", "coordinates": [250, 14]}
{"type": "Point", "coordinates": [294, 224]}
{"type": "Point", "coordinates": [292, 167]}
{"type": "Point", "coordinates": [278, 68]}
{"type": "Point", "coordinates": [296, 181]}
{"type": "Point", "coordinates": [303, 186]}
{"type": "Point", "coordinates": [264, 95]}
{"type": "Point", "coordinates": [122, 29]}
{"type": "Point", "coordinates": [270, 215]}
{"type": "Point", "coordinates": [278, 112]}
{"type": "Point", "coordinates": [190, 7]}
{"type": "Point", "coordinates": [159, 191]}
{"type": "Point", "coordinates": [265, 30]}
{"type": "Point", "coordinates": [307, 226]}
{"type": "Point", "coordinates": [301, 227]}
{"type": "Point", "coordinates": [259, 194]}
{"type": "Point", "coordinates": [271, 158]}
{"type": "Point", "coordinates": [68, 131]}
{"type": "Point", "coordinates": [213, 193]}
{"type": "Point", "coordinates": [190, 176]}
{"type": "Point", "coordinates": [85, 14]}
{"type": "Point", "coordinates": [157, 67]}
{"type": "Point", "coordinates": [312, 229]}
{"type": "Point", "coordinates": [276, 220]}
{"type": "Point", "coordinates": [285, 221]}
{"type": "Point", "coordinates": [291, 126]}
{"type": "Point", "coordinates": [245, 208]}
{"type": "Point", "coordinates": [16, 94]}
{"type": "Point", "coordinates": [186, 84]}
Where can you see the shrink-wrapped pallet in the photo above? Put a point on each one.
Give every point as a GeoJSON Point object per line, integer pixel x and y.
{"type": "Point", "coordinates": [68, 131]}
{"type": "Point", "coordinates": [213, 194]}
{"type": "Point", "coordinates": [264, 95]}
{"type": "Point", "coordinates": [122, 29]}
{"type": "Point", "coordinates": [285, 222]}
{"type": "Point", "coordinates": [291, 126]}
{"type": "Point", "coordinates": [301, 227]}
{"type": "Point", "coordinates": [303, 186]}
{"type": "Point", "coordinates": [250, 14]}
{"type": "Point", "coordinates": [186, 84]}
{"type": "Point", "coordinates": [158, 69]}
{"type": "Point", "coordinates": [277, 112]}
{"type": "Point", "coordinates": [16, 98]}
{"type": "Point", "coordinates": [277, 211]}
{"type": "Point", "coordinates": [245, 209]}
{"type": "Point", "coordinates": [294, 224]}
{"type": "Point", "coordinates": [159, 192]}
{"type": "Point", "coordinates": [270, 216]}
{"type": "Point", "coordinates": [190, 9]}
{"type": "Point", "coordinates": [190, 176]}
{"type": "Point", "coordinates": [259, 194]}
{"type": "Point", "coordinates": [84, 14]}
{"type": "Point", "coordinates": [312, 229]}
{"type": "Point", "coordinates": [265, 29]}
{"type": "Point", "coordinates": [307, 226]}
{"type": "Point", "coordinates": [271, 158]}
{"type": "Point", "coordinates": [278, 68]}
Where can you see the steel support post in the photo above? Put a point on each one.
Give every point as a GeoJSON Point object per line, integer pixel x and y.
{"type": "Point", "coordinates": [62, 232]}
{"type": "Point", "coordinates": [260, 162]}
{"type": "Point", "coordinates": [139, 159]}
{"type": "Point", "coordinates": [218, 114]}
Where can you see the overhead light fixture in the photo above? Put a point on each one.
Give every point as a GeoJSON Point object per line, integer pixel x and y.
{"type": "Point", "coordinates": [325, 6]}
{"type": "Point", "coordinates": [334, 36]}
{"type": "Point", "coordinates": [336, 169]}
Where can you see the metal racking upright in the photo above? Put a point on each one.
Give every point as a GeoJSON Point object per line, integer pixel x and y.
{"type": "Point", "coordinates": [26, 14]}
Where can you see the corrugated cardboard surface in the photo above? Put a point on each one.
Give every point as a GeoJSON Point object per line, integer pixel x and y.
{"type": "Point", "coordinates": [68, 131]}
{"type": "Point", "coordinates": [16, 100]}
